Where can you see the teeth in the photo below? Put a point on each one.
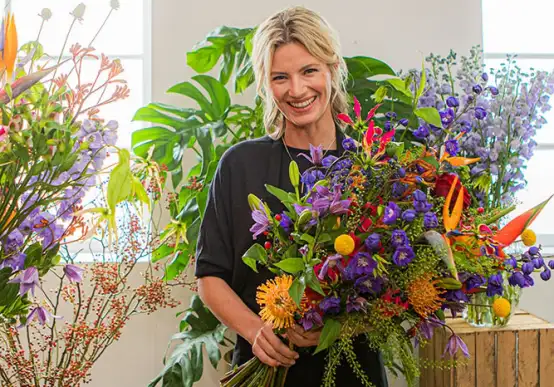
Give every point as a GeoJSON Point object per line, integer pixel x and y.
{"type": "Point", "coordinates": [303, 104]}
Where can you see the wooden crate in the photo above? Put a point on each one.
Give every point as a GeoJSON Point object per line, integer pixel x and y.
{"type": "Point", "coordinates": [520, 354]}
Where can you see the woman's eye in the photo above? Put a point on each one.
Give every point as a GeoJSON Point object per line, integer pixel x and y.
{"type": "Point", "coordinates": [309, 71]}
{"type": "Point", "coordinates": [278, 77]}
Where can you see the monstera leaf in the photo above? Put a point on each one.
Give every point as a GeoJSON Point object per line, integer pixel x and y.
{"type": "Point", "coordinates": [199, 328]}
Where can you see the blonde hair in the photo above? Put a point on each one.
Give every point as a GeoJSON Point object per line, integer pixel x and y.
{"type": "Point", "coordinates": [303, 26]}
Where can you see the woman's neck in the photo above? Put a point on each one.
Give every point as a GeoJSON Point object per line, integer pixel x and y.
{"type": "Point", "coordinates": [322, 132]}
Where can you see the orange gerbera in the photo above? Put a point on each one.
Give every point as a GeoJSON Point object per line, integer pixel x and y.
{"type": "Point", "coordinates": [278, 307]}
{"type": "Point", "coordinates": [424, 296]}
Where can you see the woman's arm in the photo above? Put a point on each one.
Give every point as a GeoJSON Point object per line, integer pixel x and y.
{"type": "Point", "coordinates": [226, 305]}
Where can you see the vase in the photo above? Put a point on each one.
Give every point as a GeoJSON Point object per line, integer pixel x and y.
{"type": "Point", "coordinates": [479, 312]}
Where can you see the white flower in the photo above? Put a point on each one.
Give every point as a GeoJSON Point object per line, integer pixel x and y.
{"type": "Point", "coordinates": [114, 4]}
{"type": "Point", "coordinates": [46, 14]}
{"type": "Point", "coordinates": [79, 12]}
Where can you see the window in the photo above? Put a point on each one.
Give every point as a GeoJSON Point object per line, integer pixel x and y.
{"type": "Point", "coordinates": [524, 28]}
{"type": "Point", "coordinates": [125, 36]}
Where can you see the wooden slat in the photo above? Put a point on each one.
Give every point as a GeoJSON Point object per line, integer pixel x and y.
{"type": "Point", "coordinates": [427, 354]}
{"type": "Point", "coordinates": [506, 363]}
{"type": "Point", "coordinates": [546, 363]}
{"type": "Point", "coordinates": [528, 359]}
{"type": "Point", "coordinates": [438, 349]}
{"type": "Point", "coordinates": [465, 374]}
{"type": "Point", "coordinates": [485, 360]}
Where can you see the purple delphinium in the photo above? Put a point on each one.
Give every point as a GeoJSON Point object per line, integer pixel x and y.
{"type": "Point", "coordinates": [452, 102]}
{"type": "Point", "coordinates": [421, 133]}
{"type": "Point", "coordinates": [261, 221]}
{"type": "Point", "coordinates": [398, 189]}
{"type": "Point", "coordinates": [409, 215]}
{"type": "Point", "coordinates": [480, 113]}
{"type": "Point", "coordinates": [528, 268]}
{"type": "Point", "coordinates": [404, 121]}
{"type": "Point", "coordinates": [286, 222]}
{"type": "Point", "coordinates": [546, 274]}
{"type": "Point", "coordinates": [369, 284]}
{"type": "Point", "coordinates": [399, 238]}
{"type": "Point", "coordinates": [373, 242]}
{"type": "Point", "coordinates": [27, 280]}
{"type": "Point", "coordinates": [447, 116]}
{"type": "Point", "coordinates": [475, 281]}
{"type": "Point", "coordinates": [328, 161]}
{"type": "Point", "coordinates": [16, 262]}
{"type": "Point", "coordinates": [403, 256]}
{"type": "Point", "coordinates": [430, 220]}
{"type": "Point", "coordinates": [452, 147]}
{"type": "Point", "coordinates": [361, 264]}
{"type": "Point", "coordinates": [391, 214]}
{"type": "Point", "coordinates": [494, 286]}
{"type": "Point", "coordinates": [311, 319]}
{"type": "Point", "coordinates": [349, 144]}
{"type": "Point", "coordinates": [477, 89]}
{"type": "Point", "coordinates": [330, 305]}
{"type": "Point", "coordinates": [517, 279]}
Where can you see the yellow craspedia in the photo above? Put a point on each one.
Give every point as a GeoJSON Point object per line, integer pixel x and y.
{"type": "Point", "coordinates": [529, 237]}
{"type": "Point", "coordinates": [501, 307]}
{"type": "Point", "coordinates": [344, 244]}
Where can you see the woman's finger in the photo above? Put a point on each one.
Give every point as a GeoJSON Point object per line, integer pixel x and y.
{"type": "Point", "coordinates": [274, 353]}
{"type": "Point", "coordinates": [264, 358]}
{"type": "Point", "coordinates": [278, 345]}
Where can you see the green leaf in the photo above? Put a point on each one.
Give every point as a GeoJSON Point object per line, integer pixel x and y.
{"type": "Point", "coordinates": [314, 284]}
{"type": "Point", "coordinates": [399, 85]}
{"type": "Point", "coordinates": [150, 114]}
{"type": "Point", "coordinates": [296, 290]}
{"type": "Point", "coordinates": [307, 237]}
{"type": "Point", "coordinates": [280, 194]}
{"type": "Point", "coordinates": [220, 99]}
{"type": "Point", "coordinates": [429, 115]}
{"type": "Point", "coordinates": [294, 174]}
{"type": "Point", "coordinates": [244, 78]}
{"type": "Point", "coordinates": [291, 265]}
{"type": "Point", "coordinates": [204, 138]}
{"type": "Point", "coordinates": [256, 253]}
{"type": "Point", "coordinates": [422, 82]}
{"type": "Point", "coordinates": [227, 66]}
{"type": "Point", "coordinates": [204, 59]}
{"type": "Point", "coordinates": [199, 329]}
{"type": "Point", "coordinates": [366, 67]}
{"type": "Point", "coordinates": [201, 199]}
{"type": "Point", "coordinates": [380, 94]}
{"type": "Point", "coordinates": [433, 161]}
{"type": "Point", "coordinates": [329, 335]}
{"type": "Point", "coordinates": [120, 183]}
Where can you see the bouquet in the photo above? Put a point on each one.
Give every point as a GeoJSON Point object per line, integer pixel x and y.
{"type": "Point", "coordinates": [388, 237]}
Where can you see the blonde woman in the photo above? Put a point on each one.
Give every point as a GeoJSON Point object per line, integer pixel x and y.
{"type": "Point", "coordinates": [299, 73]}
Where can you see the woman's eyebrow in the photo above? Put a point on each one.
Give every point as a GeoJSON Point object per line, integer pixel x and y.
{"type": "Point", "coordinates": [301, 69]}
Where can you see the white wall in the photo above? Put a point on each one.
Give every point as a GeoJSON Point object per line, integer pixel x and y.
{"type": "Point", "coordinates": [400, 32]}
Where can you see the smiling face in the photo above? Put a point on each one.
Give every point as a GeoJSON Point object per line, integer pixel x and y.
{"type": "Point", "coordinates": [300, 84]}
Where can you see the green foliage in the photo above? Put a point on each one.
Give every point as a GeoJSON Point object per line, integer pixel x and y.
{"type": "Point", "coordinates": [199, 329]}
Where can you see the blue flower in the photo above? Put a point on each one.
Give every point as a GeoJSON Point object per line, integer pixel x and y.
{"type": "Point", "coordinates": [328, 161]}
{"type": "Point", "coordinates": [403, 255]}
{"type": "Point", "coordinates": [286, 222]}
{"type": "Point", "coordinates": [390, 115]}
{"type": "Point", "coordinates": [475, 281]}
{"type": "Point", "coordinates": [447, 116]}
{"type": "Point", "coordinates": [538, 262]}
{"type": "Point", "coordinates": [373, 242]}
{"type": "Point", "coordinates": [387, 126]}
{"type": "Point", "coordinates": [465, 126]}
{"type": "Point", "coordinates": [409, 215]}
{"type": "Point", "coordinates": [316, 155]}
{"type": "Point", "coordinates": [369, 284]}
{"type": "Point", "coordinates": [399, 238]}
{"type": "Point", "coordinates": [311, 319]}
{"type": "Point", "coordinates": [361, 264]}
{"type": "Point", "coordinates": [401, 172]}
{"type": "Point", "coordinates": [534, 250]}
{"type": "Point", "coordinates": [494, 90]}
{"type": "Point", "coordinates": [546, 274]}
{"type": "Point", "coordinates": [349, 144]}
{"type": "Point", "coordinates": [419, 195]}
{"type": "Point", "coordinates": [392, 212]}
{"type": "Point", "coordinates": [421, 133]}
{"type": "Point", "coordinates": [477, 89]}
{"type": "Point", "coordinates": [355, 304]}
{"type": "Point", "coordinates": [480, 113]}
{"type": "Point", "coordinates": [330, 305]}
{"type": "Point", "coordinates": [398, 189]}
{"type": "Point", "coordinates": [452, 102]}
{"type": "Point", "coordinates": [517, 279]}
{"type": "Point", "coordinates": [485, 77]}
{"type": "Point", "coordinates": [404, 122]}
{"type": "Point", "coordinates": [551, 264]}
{"type": "Point", "coordinates": [494, 287]}
{"type": "Point", "coordinates": [528, 268]}
{"type": "Point", "coordinates": [452, 147]}
{"type": "Point", "coordinates": [430, 220]}
{"type": "Point", "coordinates": [456, 296]}
{"type": "Point", "coordinates": [422, 206]}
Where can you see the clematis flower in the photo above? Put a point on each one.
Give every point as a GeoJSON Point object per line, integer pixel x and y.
{"type": "Point", "coordinates": [42, 314]}
{"type": "Point", "coordinates": [27, 280]}
{"type": "Point", "coordinates": [73, 273]}
{"type": "Point", "coordinates": [311, 319]}
{"type": "Point", "coordinates": [261, 222]}
{"type": "Point", "coordinates": [316, 155]}
{"type": "Point", "coordinates": [454, 344]}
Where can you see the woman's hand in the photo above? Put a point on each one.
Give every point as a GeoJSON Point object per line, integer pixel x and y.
{"type": "Point", "coordinates": [271, 350]}
{"type": "Point", "coordinates": [301, 338]}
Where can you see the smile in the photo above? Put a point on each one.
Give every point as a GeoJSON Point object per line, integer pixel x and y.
{"type": "Point", "coordinates": [301, 105]}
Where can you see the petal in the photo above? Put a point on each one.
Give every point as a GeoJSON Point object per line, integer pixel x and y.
{"type": "Point", "coordinates": [345, 118]}
{"type": "Point", "coordinates": [371, 113]}
{"type": "Point", "coordinates": [357, 108]}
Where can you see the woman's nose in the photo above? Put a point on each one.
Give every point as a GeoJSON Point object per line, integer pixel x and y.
{"type": "Point", "coordinates": [297, 88]}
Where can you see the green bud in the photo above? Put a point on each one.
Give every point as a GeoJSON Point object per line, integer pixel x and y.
{"type": "Point", "coordinates": [380, 94]}
{"type": "Point", "coordinates": [294, 174]}
{"type": "Point", "coordinates": [254, 202]}
{"type": "Point", "coordinates": [449, 283]}
{"type": "Point", "coordinates": [305, 216]}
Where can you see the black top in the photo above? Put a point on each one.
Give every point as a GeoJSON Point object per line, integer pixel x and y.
{"type": "Point", "coordinates": [224, 237]}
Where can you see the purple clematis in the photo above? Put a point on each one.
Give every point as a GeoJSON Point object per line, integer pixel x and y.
{"type": "Point", "coordinates": [454, 344]}
{"type": "Point", "coordinates": [42, 314]}
{"type": "Point", "coordinates": [27, 280]}
{"type": "Point", "coordinates": [73, 273]}
{"type": "Point", "coordinates": [261, 221]}
{"type": "Point", "coordinates": [316, 155]}
{"type": "Point", "coordinates": [311, 319]}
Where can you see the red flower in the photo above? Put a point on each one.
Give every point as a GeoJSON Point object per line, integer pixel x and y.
{"type": "Point", "coordinates": [442, 187]}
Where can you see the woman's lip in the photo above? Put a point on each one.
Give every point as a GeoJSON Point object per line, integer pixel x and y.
{"type": "Point", "coordinates": [305, 107]}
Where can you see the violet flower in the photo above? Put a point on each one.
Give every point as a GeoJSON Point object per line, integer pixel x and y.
{"type": "Point", "coordinates": [455, 343]}
{"type": "Point", "coordinates": [27, 280]}
{"type": "Point", "coordinates": [316, 155]}
{"type": "Point", "coordinates": [42, 314]}
{"type": "Point", "coordinates": [403, 255]}
{"type": "Point", "coordinates": [261, 221]}
{"type": "Point", "coordinates": [399, 238]}
{"type": "Point", "coordinates": [73, 273]}
{"type": "Point", "coordinates": [330, 305]}
{"type": "Point", "coordinates": [311, 319]}
{"type": "Point", "coordinates": [355, 304]}
{"type": "Point", "coordinates": [392, 213]}
{"type": "Point", "coordinates": [331, 261]}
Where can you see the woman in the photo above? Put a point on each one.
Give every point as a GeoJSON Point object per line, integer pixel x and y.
{"type": "Point", "coordinates": [299, 73]}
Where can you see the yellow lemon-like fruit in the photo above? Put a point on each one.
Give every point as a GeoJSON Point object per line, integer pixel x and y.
{"type": "Point", "coordinates": [344, 244]}
{"type": "Point", "coordinates": [501, 307]}
{"type": "Point", "coordinates": [529, 237]}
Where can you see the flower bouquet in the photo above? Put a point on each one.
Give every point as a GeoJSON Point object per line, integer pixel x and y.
{"type": "Point", "coordinates": [389, 237]}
